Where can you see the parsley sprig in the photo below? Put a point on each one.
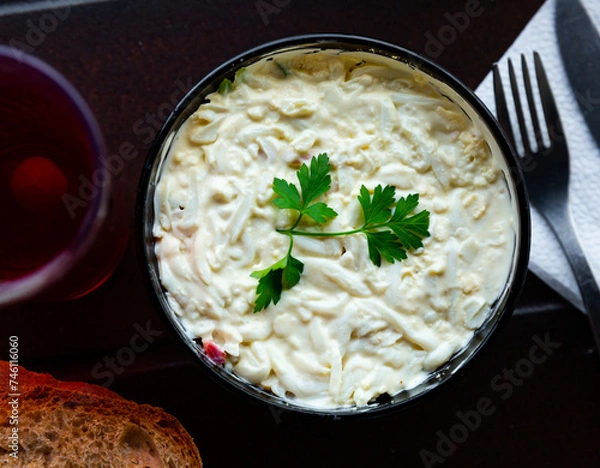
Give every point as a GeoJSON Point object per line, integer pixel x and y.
{"type": "Point", "coordinates": [389, 233]}
{"type": "Point", "coordinates": [314, 182]}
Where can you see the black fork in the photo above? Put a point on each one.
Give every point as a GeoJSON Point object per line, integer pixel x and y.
{"type": "Point", "coordinates": [546, 173]}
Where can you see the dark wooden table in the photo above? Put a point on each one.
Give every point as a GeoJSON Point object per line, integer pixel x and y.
{"type": "Point", "coordinates": [131, 60]}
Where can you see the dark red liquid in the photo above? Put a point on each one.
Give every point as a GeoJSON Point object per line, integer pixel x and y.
{"type": "Point", "coordinates": [32, 126]}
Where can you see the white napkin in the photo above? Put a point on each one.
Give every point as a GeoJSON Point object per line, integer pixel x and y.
{"type": "Point", "coordinates": [547, 259]}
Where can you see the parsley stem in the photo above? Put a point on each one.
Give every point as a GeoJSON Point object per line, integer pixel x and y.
{"type": "Point", "coordinates": [295, 224]}
{"type": "Point", "coordinates": [289, 252]}
{"type": "Point", "coordinates": [293, 232]}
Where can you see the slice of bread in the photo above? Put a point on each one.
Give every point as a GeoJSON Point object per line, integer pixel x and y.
{"type": "Point", "coordinates": [75, 424]}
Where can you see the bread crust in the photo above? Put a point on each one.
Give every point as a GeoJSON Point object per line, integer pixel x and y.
{"type": "Point", "coordinates": [73, 424]}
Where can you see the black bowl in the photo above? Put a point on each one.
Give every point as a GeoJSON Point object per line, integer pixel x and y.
{"type": "Point", "coordinates": [448, 86]}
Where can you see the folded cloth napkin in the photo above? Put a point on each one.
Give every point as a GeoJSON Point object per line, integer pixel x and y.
{"type": "Point", "coordinates": [547, 259]}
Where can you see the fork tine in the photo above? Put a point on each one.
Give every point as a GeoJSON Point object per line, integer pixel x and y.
{"type": "Point", "coordinates": [517, 98]}
{"type": "Point", "coordinates": [532, 109]}
{"type": "Point", "coordinates": [553, 122]}
{"type": "Point", "coordinates": [501, 107]}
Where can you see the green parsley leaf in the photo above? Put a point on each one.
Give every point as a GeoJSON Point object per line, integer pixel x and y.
{"type": "Point", "coordinates": [283, 274]}
{"type": "Point", "coordinates": [410, 230]}
{"type": "Point", "coordinates": [292, 272]}
{"type": "Point", "coordinates": [386, 244]}
{"type": "Point", "coordinates": [376, 210]}
{"type": "Point", "coordinates": [289, 197]}
{"type": "Point", "coordinates": [314, 181]}
{"type": "Point", "coordinates": [407, 232]}
{"type": "Point", "coordinates": [270, 284]}
{"type": "Point", "coordinates": [320, 212]}
{"type": "Point", "coordinates": [279, 265]}
{"type": "Point", "coordinates": [405, 206]}
{"type": "Point", "coordinates": [269, 289]}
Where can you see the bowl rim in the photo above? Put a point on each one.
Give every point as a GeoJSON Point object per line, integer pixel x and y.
{"type": "Point", "coordinates": [208, 84]}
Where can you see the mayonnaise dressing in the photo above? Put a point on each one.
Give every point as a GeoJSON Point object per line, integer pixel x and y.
{"type": "Point", "coordinates": [348, 331]}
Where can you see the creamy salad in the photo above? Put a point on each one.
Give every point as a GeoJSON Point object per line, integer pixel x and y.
{"type": "Point", "coordinates": [349, 331]}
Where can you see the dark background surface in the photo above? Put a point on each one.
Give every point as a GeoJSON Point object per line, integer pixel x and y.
{"type": "Point", "coordinates": [132, 60]}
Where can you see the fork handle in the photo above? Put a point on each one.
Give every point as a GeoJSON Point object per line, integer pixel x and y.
{"type": "Point", "coordinates": [560, 222]}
